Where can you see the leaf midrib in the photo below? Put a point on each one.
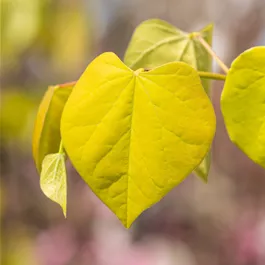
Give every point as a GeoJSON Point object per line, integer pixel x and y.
{"type": "Point", "coordinates": [129, 150]}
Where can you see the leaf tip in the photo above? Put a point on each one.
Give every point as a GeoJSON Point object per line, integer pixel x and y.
{"type": "Point", "coordinates": [64, 212]}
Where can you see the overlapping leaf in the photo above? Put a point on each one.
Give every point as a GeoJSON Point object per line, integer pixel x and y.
{"type": "Point", "coordinates": [46, 135]}
{"type": "Point", "coordinates": [243, 103]}
{"type": "Point", "coordinates": [134, 135]}
{"type": "Point", "coordinates": [53, 180]}
{"type": "Point", "coordinates": [156, 42]}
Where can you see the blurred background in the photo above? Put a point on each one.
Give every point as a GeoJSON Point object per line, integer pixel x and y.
{"type": "Point", "coordinates": [46, 42]}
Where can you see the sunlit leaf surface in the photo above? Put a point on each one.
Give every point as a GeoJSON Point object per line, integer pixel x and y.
{"type": "Point", "coordinates": [135, 135]}
{"type": "Point", "coordinates": [243, 103]}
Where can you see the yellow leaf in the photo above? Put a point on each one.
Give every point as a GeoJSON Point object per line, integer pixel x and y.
{"type": "Point", "coordinates": [46, 134]}
{"type": "Point", "coordinates": [243, 103]}
{"type": "Point", "coordinates": [53, 180]}
{"type": "Point", "coordinates": [134, 135]}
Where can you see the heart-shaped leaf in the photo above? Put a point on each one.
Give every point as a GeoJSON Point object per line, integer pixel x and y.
{"type": "Point", "coordinates": [46, 135]}
{"type": "Point", "coordinates": [243, 103]}
{"type": "Point", "coordinates": [134, 135]}
{"type": "Point", "coordinates": [53, 180]}
{"type": "Point", "coordinates": [156, 42]}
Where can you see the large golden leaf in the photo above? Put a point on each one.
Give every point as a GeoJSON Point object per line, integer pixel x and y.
{"type": "Point", "coordinates": [135, 135]}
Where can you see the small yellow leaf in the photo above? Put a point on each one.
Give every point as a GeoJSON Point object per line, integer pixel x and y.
{"type": "Point", "coordinates": [243, 103]}
{"type": "Point", "coordinates": [135, 135]}
{"type": "Point", "coordinates": [46, 135]}
{"type": "Point", "coordinates": [53, 180]}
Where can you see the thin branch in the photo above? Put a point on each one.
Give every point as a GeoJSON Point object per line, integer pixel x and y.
{"type": "Point", "coordinates": [61, 149]}
{"type": "Point", "coordinates": [213, 76]}
{"type": "Point", "coordinates": [209, 49]}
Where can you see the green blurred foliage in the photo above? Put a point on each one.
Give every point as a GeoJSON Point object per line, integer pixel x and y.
{"type": "Point", "coordinates": [20, 24]}
{"type": "Point", "coordinates": [17, 113]}
{"type": "Point", "coordinates": [43, 43]}
{"type": "Point", "coordinates": [58, 32]}
{"type": "Point", "coordinates": [70, 40]}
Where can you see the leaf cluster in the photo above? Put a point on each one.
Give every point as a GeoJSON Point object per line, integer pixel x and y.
{"type": "Point", "coordinates": [134, 129]}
